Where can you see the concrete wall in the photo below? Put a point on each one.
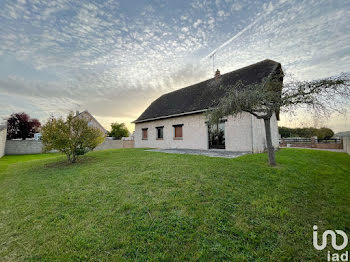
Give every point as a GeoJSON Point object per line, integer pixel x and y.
{"type": "Point", "coordinates": [112, 144]}
{"type": "Point", "coordinates": [3, 132]}
{"type": "Point", "coordinates": [242, 133]}
{"type": "Point", "coordinates": [346, 144]}
{"type": "Point", "coordinates": [128, 143]}
{"type": "Point", "coordinates": [22, 147]}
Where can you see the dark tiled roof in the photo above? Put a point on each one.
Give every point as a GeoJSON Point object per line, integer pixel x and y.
{"type": "Point", "coordinates": [206, 94]}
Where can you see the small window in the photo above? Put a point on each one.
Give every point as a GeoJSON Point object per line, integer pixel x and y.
{"type": "Point", "coordinates": [160, 132]}
{"type": "Point", "coordinates": [177, 131]}
{"type": "Point", "coordinates": [144, 133]}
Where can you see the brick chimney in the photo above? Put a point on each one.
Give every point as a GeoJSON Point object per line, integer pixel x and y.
{"type": "Point", "coordinates": [217, 74]}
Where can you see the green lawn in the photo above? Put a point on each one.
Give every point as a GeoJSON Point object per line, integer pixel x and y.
{"type": "Point", "coordinates": [8, 160]}
{"type": "Point", "coordinates": [130, 204]}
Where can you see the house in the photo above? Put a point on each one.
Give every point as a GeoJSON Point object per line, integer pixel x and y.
{"type": "Point", "coordinates": [177, 119]}
{"type": "Point", "coordinates": [91, 120]}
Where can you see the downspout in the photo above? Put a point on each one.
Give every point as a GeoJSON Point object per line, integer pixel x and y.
{"type": "Point", "coordinates": [252, 130]}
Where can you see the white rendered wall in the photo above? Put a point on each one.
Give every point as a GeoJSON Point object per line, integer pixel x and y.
{"type": "Point", "coordinates": [238, 133]}
{"type": "Point", "coordinates": [242, 133]}
{"type": "Point", "coordinates": [194, 132]}
{"type": "Point", "coordinates": [274, 131]}
{"type": "Point", "coordinates": [259, 137]}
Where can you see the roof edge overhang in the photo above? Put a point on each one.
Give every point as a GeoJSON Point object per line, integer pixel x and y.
{"type": "Point", "coordinates": [169, 116]}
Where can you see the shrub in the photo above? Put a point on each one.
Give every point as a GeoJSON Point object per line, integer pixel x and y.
{"type": "Point", "coordinates": [72, 136]}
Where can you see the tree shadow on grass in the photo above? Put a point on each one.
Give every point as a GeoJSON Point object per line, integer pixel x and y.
{"type": "Point", "coordinates": [63, 163]}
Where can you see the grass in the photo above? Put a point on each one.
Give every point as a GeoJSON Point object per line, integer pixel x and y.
{"type": "Point", "coordinates": [130, 204]}
{"type": "Point", "coordinates": [8, 160]}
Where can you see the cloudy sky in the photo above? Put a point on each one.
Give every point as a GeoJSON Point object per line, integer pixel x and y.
{"type": "Point", "coordinates": [115, 57]}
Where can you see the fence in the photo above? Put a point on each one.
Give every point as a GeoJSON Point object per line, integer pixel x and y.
{"type": "Point", "coordinates": [332, 143]}
{"type": "Point", "coordinates": [309, 140]}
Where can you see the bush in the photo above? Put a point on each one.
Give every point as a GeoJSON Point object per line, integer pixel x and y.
{"type": "Point", "coordinates": [73, 137]}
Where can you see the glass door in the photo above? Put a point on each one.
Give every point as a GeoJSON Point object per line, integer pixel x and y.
{"type": "Point", "coordinates": [216, 136]}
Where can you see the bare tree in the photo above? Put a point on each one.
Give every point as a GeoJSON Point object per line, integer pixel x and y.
{"type": "Point", "coordinates": [264, 99]}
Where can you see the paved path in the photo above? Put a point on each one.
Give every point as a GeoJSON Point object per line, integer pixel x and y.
{"type": "Point", "coordinates": [210, 153]}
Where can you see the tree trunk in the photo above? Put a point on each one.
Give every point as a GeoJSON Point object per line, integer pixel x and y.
{"type": "Point", "coordinates": [69, 159]}
{"type": "Point", "coordinates": [270, 149]}
{"type": "Point", "coordinates": [74, 158]}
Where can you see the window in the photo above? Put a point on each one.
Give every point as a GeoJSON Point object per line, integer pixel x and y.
{"type": "Point", "coordinates": [177, 131]}
{"type": "Point", "coordinates": [160, 132]}
{"type": "Point", "coordinates": [144, 133]}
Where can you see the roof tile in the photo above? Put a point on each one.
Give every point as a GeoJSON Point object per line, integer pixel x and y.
{"type": "Point", "coordinates": [206, 94]}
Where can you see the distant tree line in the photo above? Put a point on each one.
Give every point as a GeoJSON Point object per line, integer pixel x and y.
{"type": "Point", "coordinates": [307, 132]}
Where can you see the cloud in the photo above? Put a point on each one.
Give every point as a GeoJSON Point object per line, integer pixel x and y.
{"type": "Point", "coordinates": [114, 58]}
{"type": "Point", "coordinates": [197, 23]}
{"type": "Point", "coordinates": [298, 39]}
{"type": "Point", "coordinates": [236, 6]}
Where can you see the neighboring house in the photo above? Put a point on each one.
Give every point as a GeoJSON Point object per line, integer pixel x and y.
{"type": "Point", "coordinates": [177, 119]}
{"type": "Point", "coordinates": [86, 115]}
{"type": "Point", "coordinates": [92, 121]}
